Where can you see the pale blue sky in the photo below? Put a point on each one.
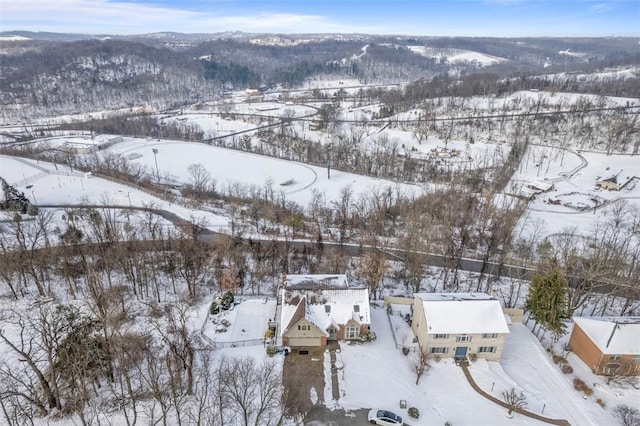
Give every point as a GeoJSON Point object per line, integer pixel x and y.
{"type": "Point", "coordinates": [411, 17]}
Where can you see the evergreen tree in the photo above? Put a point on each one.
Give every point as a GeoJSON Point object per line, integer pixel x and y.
{"type": "Point", "coordinates": [547, 300]}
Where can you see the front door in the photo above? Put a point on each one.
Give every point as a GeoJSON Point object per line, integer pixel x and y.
{"type": "Point", "coordinates": [333, 334]}
{"type": "Point", "coordinates": [461, 352]}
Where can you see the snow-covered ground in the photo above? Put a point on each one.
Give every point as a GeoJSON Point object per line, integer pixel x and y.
{"type": "Point", "coordinates": [377, 375]}
{"type": "Point", "coordinates": [229, 168]}
{"type": "Point", "coordinates": [48, 184]}
{"type": "Point", "coordinates": [456, 55]}
{"type": "Point", "coordinates": [570, 204]}
{"type": "Point", "coordinates": [247, 320]}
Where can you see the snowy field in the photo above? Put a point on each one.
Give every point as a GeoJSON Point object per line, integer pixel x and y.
{"type": "Point", "coordinates": [575, 201]}
{"type": "Point", "coordinates": [49, 184]}
{"type": "Point", "coordinates": [456, 55]}
{"type": "Point", "coordinates": [296, 181]}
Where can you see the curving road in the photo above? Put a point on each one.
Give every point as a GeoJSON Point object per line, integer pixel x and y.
{"type": "Point", "coordinates": [355, 250]}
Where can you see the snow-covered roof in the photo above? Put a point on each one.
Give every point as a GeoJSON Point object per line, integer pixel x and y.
{"type": "Point", "coordinates": [462, 313]}
{"type": "Point", "coordinates": [613, 335]}
{"type": "Point", "coordinates": [315, 281]}
{"type": "Point", "coordinates": [325, 307]}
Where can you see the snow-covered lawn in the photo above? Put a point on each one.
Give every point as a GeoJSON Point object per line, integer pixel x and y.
{"type": "Point", "coordinates": [378, 375]}
{"type": "Point", "coordinates": [247, 321]}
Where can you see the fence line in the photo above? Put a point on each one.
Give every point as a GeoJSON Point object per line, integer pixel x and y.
{"type": "Point", "coordinates": [393, 333]}
{"type": "Point", "coordinates": [237, 343]}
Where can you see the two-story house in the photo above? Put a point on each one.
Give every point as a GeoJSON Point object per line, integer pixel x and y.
{"type": "Point", "coordinates": [459, 325]}
{"type": "Point", "coordinates": [316, 309]}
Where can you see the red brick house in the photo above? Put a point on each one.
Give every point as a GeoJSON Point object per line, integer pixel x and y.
{"type": "Point", "coordinates": [608, 345]}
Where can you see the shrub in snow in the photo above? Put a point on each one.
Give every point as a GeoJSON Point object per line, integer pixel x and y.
{"type": "Point", "coordinates": [369, 337]}
{"type": "Point", "coordinates": [578, 384]}
{"type": "Point", "coordinates": [473, 357]}
{"type": "Point", "coordinates": [414, 413]}
{"type": "Point", "coordinates": [566, 368]}
{"type": "Point", "coordinates": [221, 303]}
{"type": "Point", "coordinates": [269, 334]}
{"type": "Point", "coordinates": [271, 350]}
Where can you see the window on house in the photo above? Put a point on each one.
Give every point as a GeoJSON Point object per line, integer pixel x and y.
{"type": "Point", "coordinates": [438, 350]}
{"type": "Point", "coordinates": [614, 357]}
{"type": "Point", "coordinates": [352, 332]}
{"type": "Point", "coordinates": [486, 349]}
{"type": "Point", "coordinates": [490, 335]}
{"type": "Point", "coordinates": [304, 327]}
{"type": "Point", "coordinates": [356, 308]}
{"type": "Point", "coordinates": [463, 338]}
{"type": "Point", "coordinates": [327, 308]}
{"type": "Point", "coordinates": [441, 336]}
{"type": "Point", "coordinates": [636, 359]}
{"type": "Point", "coordinates": [612, 368]}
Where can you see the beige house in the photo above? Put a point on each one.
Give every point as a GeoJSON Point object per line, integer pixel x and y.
{"type": "Point", "coordinates": [316, 309]}
{"type": "Point", "coordinates": [609, 184]}
{"type": "Point", "coordinates": [459, 325]}
{"type": "Point", "coordinates": [608, 345]}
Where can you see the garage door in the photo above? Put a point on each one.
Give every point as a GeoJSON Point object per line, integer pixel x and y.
{"type": "Point", "coordinates": [305, 341]}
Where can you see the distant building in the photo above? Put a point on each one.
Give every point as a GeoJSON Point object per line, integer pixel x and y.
{"type": "Point", "coordinates": [608, 345]}
{"type": "Point", "coordinates": [610, 184]}
{"type": "Point", "coordinates": [615, 182]}
{"type": "Point", "coordinates": [252, 95]}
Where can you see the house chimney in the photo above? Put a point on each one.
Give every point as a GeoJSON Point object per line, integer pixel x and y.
{"type": "Point", "coordinates": [284, 279]}
{"type": "Point", "coordinates": [494, 293]}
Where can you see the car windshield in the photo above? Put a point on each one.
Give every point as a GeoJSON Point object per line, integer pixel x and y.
{"type": "Point", "coordinates": [389, 415]}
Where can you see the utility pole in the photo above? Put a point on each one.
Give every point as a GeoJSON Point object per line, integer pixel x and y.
{"type": "Point", "coordinates": [155, 157]}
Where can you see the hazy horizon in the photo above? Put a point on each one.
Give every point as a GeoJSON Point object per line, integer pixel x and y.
{"type": "Point", "coordinates": [464, 18]}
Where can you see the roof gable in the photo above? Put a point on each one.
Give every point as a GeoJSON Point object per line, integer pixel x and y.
{"type": "Point", "coordinates": [325, 307]}
{"type": "Point", "coordinates": [612, 335]}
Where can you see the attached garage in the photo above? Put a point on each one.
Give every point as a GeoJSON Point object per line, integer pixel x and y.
{"type": "Point", "coordinates": [304, 333]}
{"type": "Point", "coordinates": [305, 341]}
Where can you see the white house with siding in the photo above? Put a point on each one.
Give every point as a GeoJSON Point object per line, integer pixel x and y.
{"type": "Point", "coordinates": [460, 325]}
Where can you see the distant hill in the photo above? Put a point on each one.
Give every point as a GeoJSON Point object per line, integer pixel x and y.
{"type": "Point", "coordinates": [43, 73]}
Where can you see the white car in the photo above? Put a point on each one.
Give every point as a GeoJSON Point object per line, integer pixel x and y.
{"type": "Point", "coordinates": [384, 418]}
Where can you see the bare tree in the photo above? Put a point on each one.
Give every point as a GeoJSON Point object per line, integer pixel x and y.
{"type": "Point", "coordinates": [372, 268]}
{"type": "Point", "coordinates": [199, 177]}
{"type": "Point", "coordinates": [253, 392]}
{"type": "Point", "coordinates": [421, 363]}
{"type": "Point", "coordinates": [514, 399]}
{"type": "Point", "coordinates": [627, 416]}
